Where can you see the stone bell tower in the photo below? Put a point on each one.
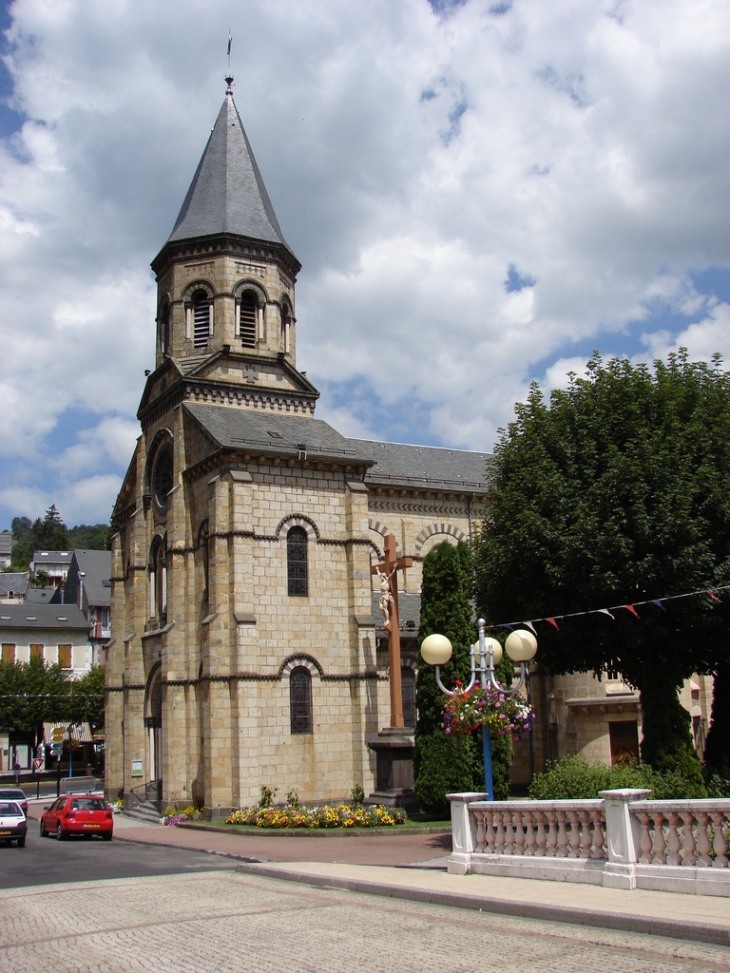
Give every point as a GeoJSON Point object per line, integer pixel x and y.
{"type": "Point", "coordinates": [226, 280]}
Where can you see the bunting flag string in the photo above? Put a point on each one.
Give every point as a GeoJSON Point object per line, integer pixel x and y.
{"type": "Point", "coordinates": [659, 602]}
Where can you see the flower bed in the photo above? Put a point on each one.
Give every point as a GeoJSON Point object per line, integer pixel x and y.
{"type": "Point", "coordinates": [327, 816]}
{"type": "Point", "coordinates": [174, 814]}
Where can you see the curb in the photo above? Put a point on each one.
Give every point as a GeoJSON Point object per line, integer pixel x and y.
{"type": "Point", "coordinates": [252, 831]}
{"type": "Point", "coordinates": [623, 922]}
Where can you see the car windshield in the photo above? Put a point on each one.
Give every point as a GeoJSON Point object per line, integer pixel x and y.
{"type": "Point", "coordinates": [10, 809]}
{"type": "Point", "coordinates": [11, 794]}
{"type": "Point", "coordinates": [88, 804]}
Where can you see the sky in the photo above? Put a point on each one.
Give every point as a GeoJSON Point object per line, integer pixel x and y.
{"type": "Point", "coordinates": [480, 194]}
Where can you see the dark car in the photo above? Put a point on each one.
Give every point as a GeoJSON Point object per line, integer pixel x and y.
{"type": "Point", "coordinates": [13, 823]}
{"type": "Point", "coordinates": [78, 814]}
{"type": "Point", "coordinates": [15, 794]}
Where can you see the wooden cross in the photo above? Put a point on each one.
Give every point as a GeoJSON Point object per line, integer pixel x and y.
{"type": "Point", "coordinates": [388, 572]}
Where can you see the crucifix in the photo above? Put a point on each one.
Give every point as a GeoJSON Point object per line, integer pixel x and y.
{"type": "Point", "coordinates": [387, 573]}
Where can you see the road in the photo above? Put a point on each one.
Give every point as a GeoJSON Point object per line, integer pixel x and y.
{"type": "Point", "coordinates": [46, 861]}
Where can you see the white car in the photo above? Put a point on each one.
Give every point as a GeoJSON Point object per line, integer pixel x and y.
{"type": "Point", "coordinates": [13, 823]}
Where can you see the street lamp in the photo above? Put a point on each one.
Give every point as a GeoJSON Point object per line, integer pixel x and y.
{"type": "Point", "coordinates": [484, 655]}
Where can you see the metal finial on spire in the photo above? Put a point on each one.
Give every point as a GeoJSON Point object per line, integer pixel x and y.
{"type": "Point", "coordinates": [229, 77]}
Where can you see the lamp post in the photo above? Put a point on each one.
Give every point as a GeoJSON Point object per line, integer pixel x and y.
{"type": "Point", "coordinates": [484, 655]}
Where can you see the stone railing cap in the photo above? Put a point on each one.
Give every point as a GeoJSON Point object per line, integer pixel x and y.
{"type": "Point", "coordinates": [467, 797]}
{"type": "Point", "coordinates": [627, 794]}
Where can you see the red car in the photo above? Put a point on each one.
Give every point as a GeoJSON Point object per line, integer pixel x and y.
{"type": "Point", "coordinates": [78, 814]}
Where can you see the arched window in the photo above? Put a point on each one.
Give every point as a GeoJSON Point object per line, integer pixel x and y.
{"type": "Point", "coordinates": [164, 328]}
{"type": "Point", "coordinates": [202, 313]}
{"type": "Point", "coordinates": [296, 558]}
{"type": "Point", "coordinates": [158, 581]}
{"type": "Point", "coordinates": [247, 311]}
{"type": "Point", "coordinates": [300, 699]}
{"type": "Point", "coordinates": [286, 320]}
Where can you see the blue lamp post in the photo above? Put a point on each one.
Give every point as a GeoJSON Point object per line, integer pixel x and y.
{"type": "Point", "coordinates": [521, 646]}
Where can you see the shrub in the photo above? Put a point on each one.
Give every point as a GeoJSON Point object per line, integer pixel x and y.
{"type": "Point", "coordinates": [267, 796]}
{"type": "Point", "coordinates": [446, 766]}
{"type": "Point", "coordinates": [573, 778]}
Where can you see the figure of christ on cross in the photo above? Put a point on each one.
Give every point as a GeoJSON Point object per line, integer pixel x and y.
{"type": "Point", "coordinates": [387, 573]}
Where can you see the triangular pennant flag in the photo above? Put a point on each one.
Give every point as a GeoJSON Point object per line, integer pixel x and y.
{"type": "Point", "coordinates": [712, 595]}
{"type": "Point", "coordinates": [658, 603]}
{"type": "Point", "coordinates": [605, 611]}
{"type": "Point", "coordinates": [552, 622]}
{"type": "Point", "coordinates": [530, 626]}
{"type": "Point", "coordinates": [630, 608]}
{"type": "Point", "coordinates": [509, 627]}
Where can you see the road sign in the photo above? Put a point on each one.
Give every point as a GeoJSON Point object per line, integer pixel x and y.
{"type": "Point", "coordinates": [57, 734]}
{"type": "Point", "coordinates": [37, 763]}
{"type": "Point", "coordinates": [57, 748]}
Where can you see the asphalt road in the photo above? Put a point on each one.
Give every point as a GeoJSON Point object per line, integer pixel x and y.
{"type": "Point", "coordinates": [46, 861]}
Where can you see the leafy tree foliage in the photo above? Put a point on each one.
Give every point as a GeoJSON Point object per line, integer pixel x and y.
{"type": "Point", "coordinates": [618, 490]}
{"type": "Point", "coordinates": [50, 534]}
{"type": "Point", "coordinates": [33, 693]}
{"type": "Point", "coordinates": [22, 551]}
{"type": "Point", "coordinates": [90, 537]}
{"type": "Point", "coordinates": [444, 763]}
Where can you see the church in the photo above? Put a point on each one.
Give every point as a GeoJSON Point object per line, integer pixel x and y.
{"type": "Point", "coordinates": [247, 649]}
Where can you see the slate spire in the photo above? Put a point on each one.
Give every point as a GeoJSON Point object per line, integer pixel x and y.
{"type": "Point", "coordinates": [227, 194]}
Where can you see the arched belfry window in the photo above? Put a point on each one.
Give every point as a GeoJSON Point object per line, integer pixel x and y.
{"type": "Point", "coordinates": [247, 314]}
{"type": "Point", "coordinates": [201, 312]}
{"type": "Point", "coordinates": [300, 699]}
{"type": "Point", "coordinates": [163, 324]}
{"type": "Point", "coordinates": [286, 326]}
{"type": "Point", "coordinates": [296, 561]}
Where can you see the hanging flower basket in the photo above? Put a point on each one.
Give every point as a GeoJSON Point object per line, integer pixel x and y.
{"type": "Point", "coordinates": [467, 711]}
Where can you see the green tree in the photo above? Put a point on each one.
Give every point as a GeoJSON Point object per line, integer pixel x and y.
{"type": "Point", "coordinates": [50, 534]}
{"type": "Point", "coordinates": [96, 537]}
{"type": "Point", "coordinates": [444, 764]}
{"type": "Point", "coordinates": [86, 699]}
{"type": "Point", "coordinates": [32, 693]}
{"type": "Point", "coordinates": [22, 550]}
{"type": "Point", "coordinates": [618, 490]}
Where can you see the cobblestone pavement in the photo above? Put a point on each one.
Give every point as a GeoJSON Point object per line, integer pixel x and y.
{"type": "Point", "coordinates": [227, 921]}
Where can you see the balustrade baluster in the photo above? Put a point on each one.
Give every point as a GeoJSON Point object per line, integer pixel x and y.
{"type": "Point", "coordinates": [585, 834]}
{"type": "Point", "coordinates": [509, 834]}
{"type": "Point", "coordinates": [499, 833]}
{"type": "Point", "coordinates": [659, 844]}
{"type": "Point", "coordinates": [673, 842]}
{"type": "Point", "coordinates": [540, 836]}
{"type": "Point", "coordinates": [519, 833]}
{"type": "Point", "coordinates": [574, 846]}
{"type": "Point", "coordinates": [703, 840]}
{"type": "Point", "coordinates": [529, 819]}
{"type": "Point", "coordinates": [646, 841]}
{"type": "Point", "coordinates": [562, 835]}
{"type": "Point", "coordinates": [719, 845]}
{"type": "Point", "coordinates": [552, 835]}
{"type": "Point", "coordinates": [599, 838]}
{"type": "Point", "coordinates": [490, 832]}
{"type": "Point", "coordinates": [481, 833]}
{"type": "Point", "coordinates": [688, 838]}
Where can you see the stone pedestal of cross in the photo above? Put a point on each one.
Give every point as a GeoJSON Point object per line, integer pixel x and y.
{"type": "Point", "coordinates": [394, 745]}
{"type": "Point", "coordinates": [387, 571]}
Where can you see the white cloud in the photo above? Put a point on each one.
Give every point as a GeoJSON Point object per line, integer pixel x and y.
{"type": "Point", "coordinates": [411, 158]}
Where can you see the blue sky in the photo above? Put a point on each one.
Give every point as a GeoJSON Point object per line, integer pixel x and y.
{"type": "Point", "coordinates": [480, 194]}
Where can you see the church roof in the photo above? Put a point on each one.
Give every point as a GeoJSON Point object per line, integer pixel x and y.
{"type": "Point", "coordinates": [227, 194]}
{"type": "Point", "coordinates": [454, 469]}
{"type": "Point", "coordinates": [264, 432]}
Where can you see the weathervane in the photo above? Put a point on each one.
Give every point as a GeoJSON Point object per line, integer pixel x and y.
{"type": "Point", "coordinates": [229, 77]}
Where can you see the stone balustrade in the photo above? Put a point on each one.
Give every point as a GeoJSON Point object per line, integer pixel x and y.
{"type": "Point", "coordinates": [620, 840]}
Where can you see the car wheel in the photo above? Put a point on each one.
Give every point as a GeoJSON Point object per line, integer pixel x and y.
{"type": "Point", "coordinates": [60, 833]}
{"type": "Point", "coordinates": [44, 833]}
{"type": "Point", "coordinates": [107, 837]}
{"type": "Point", "coordinates": [21, 842]}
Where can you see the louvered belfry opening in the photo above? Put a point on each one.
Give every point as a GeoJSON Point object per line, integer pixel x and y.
{"type": "Point", "coordinates": [201, 319]}
{"type": "Point", "coordinates": [296, 556]}
{"type": "Point", "coordinates": [249, 308]}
